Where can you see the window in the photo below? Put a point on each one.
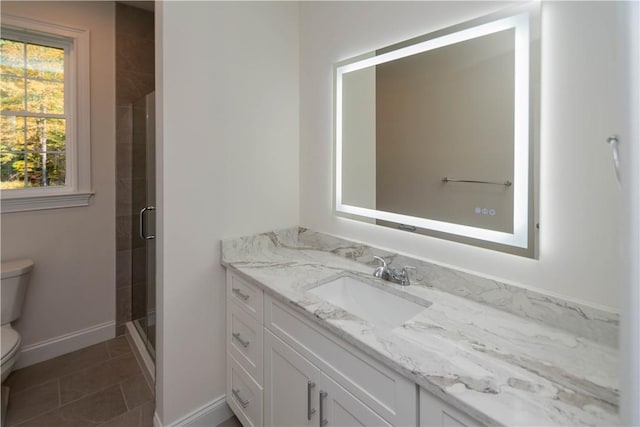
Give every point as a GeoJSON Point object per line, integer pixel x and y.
{"type": "Point", "coordinates": [44, 117]}
{"type": "Point", "coordinates": [33, 124]}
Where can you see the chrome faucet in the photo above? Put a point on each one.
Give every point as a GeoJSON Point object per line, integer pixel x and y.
{"type": "Point", "coordinates": [391, 274]}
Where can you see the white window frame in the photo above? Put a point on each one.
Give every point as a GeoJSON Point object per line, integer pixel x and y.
{"type": "Point", "coordinates": [77, 188]}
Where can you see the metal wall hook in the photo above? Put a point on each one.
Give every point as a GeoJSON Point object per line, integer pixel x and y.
{"type": "Point", "coordinates": [614, 142]}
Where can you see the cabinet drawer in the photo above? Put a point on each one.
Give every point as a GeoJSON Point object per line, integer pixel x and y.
{"type": "Point", "coordinates": [434, 412]}
{"type": "Point", "coordinates": [247, 295]}
{"type": "Point", "coordinates": [244, 340]}
{"type": "Point", "coordinates": [244, 395]}
{"type": "Point", "coordinates": [389, 394]}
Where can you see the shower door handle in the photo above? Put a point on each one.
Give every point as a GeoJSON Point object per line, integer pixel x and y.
{"type": "Point", "coordinates": [143, 227]}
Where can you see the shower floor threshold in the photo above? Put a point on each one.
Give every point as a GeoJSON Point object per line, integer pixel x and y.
{"type": "Point", "coordinates": [142, 354]}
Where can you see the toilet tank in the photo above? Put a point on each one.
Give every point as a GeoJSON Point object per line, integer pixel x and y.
{"type": "Point", "coordinates": [15, 277]}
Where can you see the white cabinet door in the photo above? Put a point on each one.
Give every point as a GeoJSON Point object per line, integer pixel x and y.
{"type": "Point", "coordinates": [437, 413]}
{"type": "Point", "coordinates": [340, 408]}
{"type": "Point", "coordinates": [290, 384]}
{"type": "Point", "coordinates": [386, 392]}
{"type": "Point", "coordinates": [294, 388]}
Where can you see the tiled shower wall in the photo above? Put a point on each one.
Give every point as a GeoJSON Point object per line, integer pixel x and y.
{"type": "Point", "coordinates": [134, 80]}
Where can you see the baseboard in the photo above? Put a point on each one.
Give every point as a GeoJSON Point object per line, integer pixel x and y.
{"type": "Point", "coordinates": [208, 415]}
{"type": "Point", "coordinates": [63, 344]}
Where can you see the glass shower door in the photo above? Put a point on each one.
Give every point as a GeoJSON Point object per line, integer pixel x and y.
{"type": "Point", "coordinates": [151, 201]}
{"type": "Point", "coordinates": [143, 194]}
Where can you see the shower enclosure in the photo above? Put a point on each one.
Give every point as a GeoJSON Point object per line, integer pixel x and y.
{"type": "Point", "coordinates": [143, 293]}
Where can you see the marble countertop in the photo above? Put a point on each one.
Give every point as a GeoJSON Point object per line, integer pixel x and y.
{"type": "Point", "coordinates": [499, 365]}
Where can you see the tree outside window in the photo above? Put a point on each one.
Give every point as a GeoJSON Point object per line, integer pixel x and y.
{"type": "Point", "coordinates": [33, 124]}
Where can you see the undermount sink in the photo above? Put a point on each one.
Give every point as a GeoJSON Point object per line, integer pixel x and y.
{"type": "Point", "coordinates": [368, 302]}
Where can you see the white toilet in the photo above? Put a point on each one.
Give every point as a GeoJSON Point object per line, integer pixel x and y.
{"type": "Point", "coordinates": [15, 277]}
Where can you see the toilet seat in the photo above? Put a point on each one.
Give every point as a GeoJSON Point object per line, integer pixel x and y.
{"type": "Point", "coordinates": [10, 344]}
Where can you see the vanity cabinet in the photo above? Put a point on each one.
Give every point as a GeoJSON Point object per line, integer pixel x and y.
{"type": "Point", "coordinates": [244, 350]}
{"type": "Point", "coordinates": [435, 412]}
{"type": "Point", "coordinates": [383, 391]}
{"type": "Point", "coordinates": [283, 370]}
{"type": "Point", "coordinates": [291, 385]}
{"type": "Point", "coordinates": [297, 393]}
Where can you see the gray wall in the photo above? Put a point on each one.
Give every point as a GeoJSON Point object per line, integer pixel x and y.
{"type": "Point", "coordinates": [73, 283]}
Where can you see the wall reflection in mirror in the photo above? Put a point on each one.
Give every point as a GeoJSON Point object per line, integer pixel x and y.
{"type": "Point", "coordinates": [436, 134]}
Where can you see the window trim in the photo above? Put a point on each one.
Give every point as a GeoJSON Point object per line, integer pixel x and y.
{"type": "Point", "coordinates": [77, 190]}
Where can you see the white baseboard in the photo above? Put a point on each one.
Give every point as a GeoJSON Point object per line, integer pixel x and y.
{"type": "Point", "coordinates": [208, 415]}
{"type": "Point", "coordinates": [63, 344]}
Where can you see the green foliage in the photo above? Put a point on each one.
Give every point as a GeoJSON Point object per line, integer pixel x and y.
{"type": "Point", "coordinates": [32, 149]}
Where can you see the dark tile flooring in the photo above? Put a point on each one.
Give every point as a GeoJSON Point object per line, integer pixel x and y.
{"type": "Point", "coordinates": [101, 385]}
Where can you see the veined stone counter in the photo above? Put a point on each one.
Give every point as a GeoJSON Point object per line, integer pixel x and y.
{"type": "Point", "coordinates": [502, 354]}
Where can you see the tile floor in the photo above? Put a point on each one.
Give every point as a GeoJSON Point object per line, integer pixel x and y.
{"type": "Point", "coordinates": [101, 385]}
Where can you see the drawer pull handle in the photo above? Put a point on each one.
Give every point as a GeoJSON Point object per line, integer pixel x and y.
{"type": "Point", "coordinates": [240, 294]}
{"type": "Point", "coordinates": [310, 410]}
{"type": "Point", "coordinates": [244, 343]}
{"type": "Point", "coordinates": [236, 393]}
{"type": "Point", "coordinates": [323, 421]}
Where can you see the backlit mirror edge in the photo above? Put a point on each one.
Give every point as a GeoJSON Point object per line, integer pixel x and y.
{"type": "Point", "coordinates": [525, 19]}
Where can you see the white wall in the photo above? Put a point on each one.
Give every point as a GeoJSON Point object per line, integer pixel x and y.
{"type": "Point", "coordinates": [73, 284]}
{"type": "Point", "coordinates": [580, 108]}
{"type": "Point", "coordinates": [629, 14]}
{"type": "Point", "coordinates": [227, 166]}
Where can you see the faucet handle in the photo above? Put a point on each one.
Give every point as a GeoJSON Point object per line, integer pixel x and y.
{"type": "Point", "coordinates": [381, 260]}
{"type": "Point", "coordinates": [405, 274]}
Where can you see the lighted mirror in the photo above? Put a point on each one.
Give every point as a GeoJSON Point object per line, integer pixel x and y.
{"type": "Point", "coordinates": [436, 135]}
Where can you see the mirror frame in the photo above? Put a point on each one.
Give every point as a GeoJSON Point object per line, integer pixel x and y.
{"type": "Point", "coordinates": [522, 20]}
